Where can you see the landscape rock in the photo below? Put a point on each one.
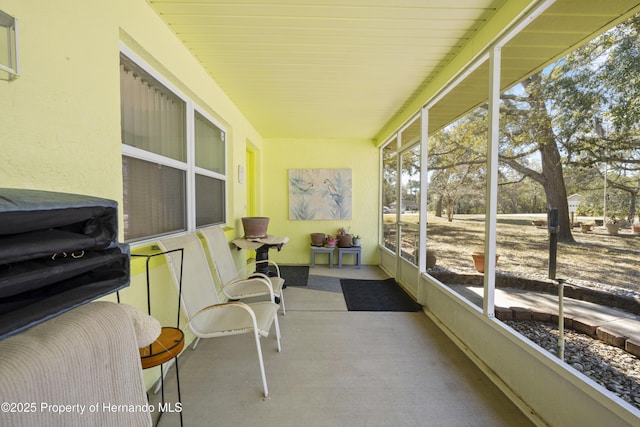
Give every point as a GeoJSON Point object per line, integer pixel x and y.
{"type": "Point", "coordinates": [611, 367]}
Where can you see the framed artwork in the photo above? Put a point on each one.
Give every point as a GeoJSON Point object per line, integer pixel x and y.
{"type": "Point", "coordinates": [319, 194]}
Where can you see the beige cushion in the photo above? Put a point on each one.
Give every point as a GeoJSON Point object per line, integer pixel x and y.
{"type": "Point", "coordinates": [87, 358]}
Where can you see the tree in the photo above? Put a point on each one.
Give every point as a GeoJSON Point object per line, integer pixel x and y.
{"type": "Point", "coordinates": [389, 175]}
{"type": "Point", "coordinates": [517, 194]}
{"type": "Point", "coordinates": [457, 163]}
{"type": "Point", "coordinates": [581, 111]}
{"type": "Point", "coordinates": [600, 84]}
{"type": "Point", "coordinates": [527, 129]}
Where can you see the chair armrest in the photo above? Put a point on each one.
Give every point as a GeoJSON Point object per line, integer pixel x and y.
{"type": "Point", "coordinates": [245, 268]}
{"type": "Point", "coordinates": [256, 278]}
{"type": "Point", "coordinates": [227, 306]}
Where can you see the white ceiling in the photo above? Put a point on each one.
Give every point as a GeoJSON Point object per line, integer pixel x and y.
{"type": "Point", "coordinates": [344, 68]}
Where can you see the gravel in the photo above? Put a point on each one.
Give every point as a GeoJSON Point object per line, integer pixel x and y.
{"type": "Point", "coordinates": [609, 366]}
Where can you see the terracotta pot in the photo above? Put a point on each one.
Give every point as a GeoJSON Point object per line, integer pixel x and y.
{"type": "Point", "coordinates": [255, 227]}
{"type": "Point", "coordinates": [636, 228]}
{"type": "Point", "coordinates": [478, 260]}
{"type": "Point", "coordinates": [344, 241]}
{"type": "Point", "coordinates": [317, 239]}
{"type": "Point", "coordinates": [612, 228]}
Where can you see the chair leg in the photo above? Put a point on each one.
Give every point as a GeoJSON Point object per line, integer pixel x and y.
{"type": "Point", "coordinates": [284, 310]}
{"type": "Point", "coordinates": [195, 343]}
{"type": "Point", "coordinates": [256, 335]}
{"type": "Point", "coordinates": [277, 326]}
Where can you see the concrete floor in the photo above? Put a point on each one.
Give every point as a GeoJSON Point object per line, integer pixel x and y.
{"type": "Point", "coordinates": [338, 368]}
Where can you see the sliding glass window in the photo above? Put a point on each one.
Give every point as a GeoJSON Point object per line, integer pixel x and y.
{"type": "Point", "coordinates": [166, 189]}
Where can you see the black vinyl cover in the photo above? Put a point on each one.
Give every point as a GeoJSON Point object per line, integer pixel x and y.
{"type": "Point", "coordinates": [57, 251]}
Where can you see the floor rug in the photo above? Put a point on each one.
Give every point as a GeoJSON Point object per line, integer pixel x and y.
{"type": "Point", "coordinates": [324, 283]}
{"type": "Point", "coordinates": [377, 295]}
{"type": "Point", "coordinates": [294, 275]}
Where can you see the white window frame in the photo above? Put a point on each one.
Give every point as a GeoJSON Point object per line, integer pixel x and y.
{"type": "Point", "coordinates": [189, 166]}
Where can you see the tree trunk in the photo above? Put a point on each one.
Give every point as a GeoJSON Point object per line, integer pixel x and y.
{"type": "Point", "coordinates": [450, 203]}
{"type": "Point", "coordinates": [632, 207]}
{"type": "Point", "coordinates": [450, 210]}
{"type": "Point", "coordinates": [555, 189]}
{"type": "Point", "coordinates": [439, 206]}
{"type": "Point", "coordinates": [552, 177]}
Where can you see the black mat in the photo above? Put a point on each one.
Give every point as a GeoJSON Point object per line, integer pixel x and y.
{"type": "Point", "coordinates": [377, 295]}
{"type": "Point", "coordinates": [294, 275]}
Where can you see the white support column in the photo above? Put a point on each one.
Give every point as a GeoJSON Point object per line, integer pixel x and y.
{"type": "Point", "coordinates": [492, 184]}
{"type": "Point", "coordinates": [398, 211]}
{"type": "Point", "coordinates": [424, 137]}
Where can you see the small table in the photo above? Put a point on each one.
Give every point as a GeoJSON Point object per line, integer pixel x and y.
{"type": "Point", "coordinates": [168, 346]}
{"type": "Point", "coordinates": [321, 250]}
{"type": "Point", "coordinates": [261, 246]}
{"type": "Point", "coordinates": [171, 340]}
{"type": "Point", "coordinates": [356, 250]}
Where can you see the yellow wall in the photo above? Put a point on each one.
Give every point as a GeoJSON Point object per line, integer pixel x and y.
{"type": "Point", "coordinates": [60, 119]}
{"type": "Point", "coordinates": [361, 156]}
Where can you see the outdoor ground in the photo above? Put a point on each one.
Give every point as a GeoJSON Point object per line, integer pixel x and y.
{"type": "Point", "coordinates": [596, 257]}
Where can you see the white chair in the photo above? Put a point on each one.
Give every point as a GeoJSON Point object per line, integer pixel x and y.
{"type": "Point", "coordinates": [207, 316]}
{"type": "Point", "coordinates": [239, 284]}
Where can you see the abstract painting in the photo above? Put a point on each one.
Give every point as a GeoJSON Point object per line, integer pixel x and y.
{"type": "Point", "coordinates": [319, 194]}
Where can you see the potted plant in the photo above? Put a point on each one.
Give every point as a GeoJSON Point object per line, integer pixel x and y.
{"type": "Point", "coordinates": [344, 238]}
{"type": "Point", "coordinates": [331, 242]}
{"type": "Point", "coordinates": [356, 240]}
{"type": "Point", "coordinates": [342, 231]}
{"type": "Point", "coordinates": [586, 227]}
{"type": "Point", "coordinates": [317, 239]}
{"type": "Point", "coordinates": [431, 259]}
{"type": "Point", "coordinates": [613, 225]}
{"type": "Point", "coordinates": [478, 260]}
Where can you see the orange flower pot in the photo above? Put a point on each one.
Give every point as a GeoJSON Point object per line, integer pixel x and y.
{"type": "Point", "coordinates": [478, 260]}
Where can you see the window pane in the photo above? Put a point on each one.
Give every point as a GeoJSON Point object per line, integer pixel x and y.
{"type": "Point", "coordinates": [154, 199]}
{"type": "Point", "coordinates": [409, 204]}
{"type": "Point", "coordinates": [209, 145]}
{"type": "Point", "coordinates": [389, 195]}
{"type": "Point", "coordinates": [152, 117]}
{"type": "Point", "coordinates": [210, 199]}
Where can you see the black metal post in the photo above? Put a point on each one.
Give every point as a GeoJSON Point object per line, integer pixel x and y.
{"type": "Point", "coordinates": [262, 255]}
{"type": "Point", "coordinates": [552, 217]}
